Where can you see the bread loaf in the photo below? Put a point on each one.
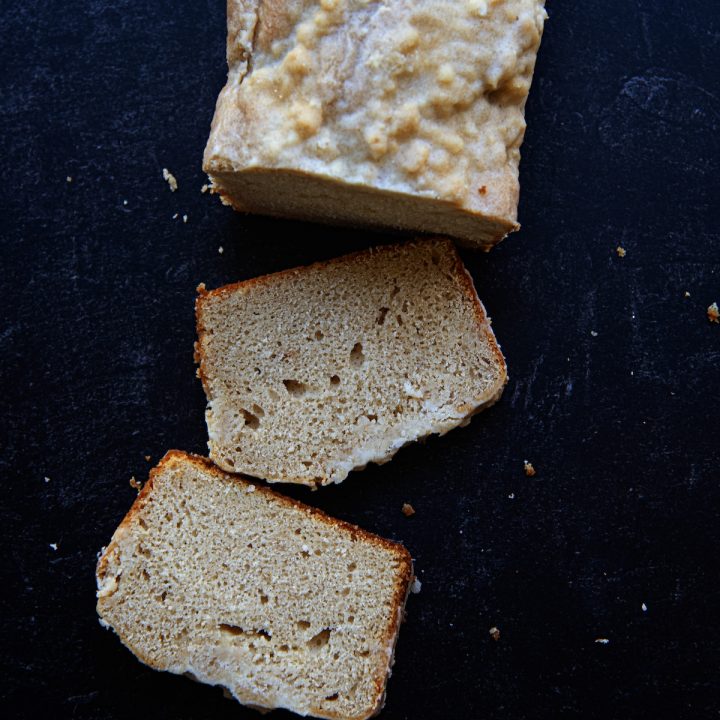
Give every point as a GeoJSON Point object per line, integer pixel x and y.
{"type": "Point", "coordinates": [235, 585]}
{"type": "Point", "coordinates": [314, 372]}
{"type": "Point", "coordinates": [391, 114]}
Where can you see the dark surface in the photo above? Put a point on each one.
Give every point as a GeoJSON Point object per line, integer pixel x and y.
{"type": "Point", "coordinates": [97, 332]}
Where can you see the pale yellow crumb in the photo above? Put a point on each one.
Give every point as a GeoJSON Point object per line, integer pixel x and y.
{"type": "Point", "coordinates": [408, 510]}
{"type": "Point", "coordinates": [713, 313]}
{"type": "Point", "coordinates": [529, 469]}
{"type": "Point", "coordinates": [135, 485]}
{"type": "Point", "coordinates": [68, 178]}
{"type": "Point", "coordinates": [620, 251]}
{"type": "Point", "coordinates": [204, 188]}
{"type": "Point", "coordinates": [686, 294]}
{"type": "Point", "coordinates": [221, 250]}
{"type": "Point", "coordinates": [148, 458]}
{"type": "Point", "coordinates": [602, 641]}
{"type": "Point", "coordinates": [170, 178]}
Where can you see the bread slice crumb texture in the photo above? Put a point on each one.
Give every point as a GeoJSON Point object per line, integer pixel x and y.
{"type": "Point", "coordinates": [316, 371]}
{"type": "Point", "coordinates": [234, 585]}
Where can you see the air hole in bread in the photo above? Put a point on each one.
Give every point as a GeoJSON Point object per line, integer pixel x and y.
{"type": "Point", "coordinates": [332, 697]}
{"type": "Point", "coordinates": [400, 320]}
{"type": "Point", "coordinates": [335, 380]}
{"type": "Point", "coordinates": [303, 625]}
{"type": "Point", "coordinates": [356, 355]}
{"type": "Point", "coordinates": [163, 595]}
{"type": "Point", "coordinates": [307, 463]}
{"type": "Point", "coordinates": [146, 575]}
{"type": "Point", "coordinates": [295, 387]}
{"type": "Point", "coordinates": [264, 599]}
{"type": "Point", "coordinates": [352, 567]}
{"type": "Point", "coordinates": [381, 315]}
{"type": "Point", "coordinates": [252, 421]}
{"type": "Point", "coordinates": [319, 640]}
{"type": "Point", "coordinates": [351, 618]}
{"type": "Point", "coordinates": [319, 335]}
{"type": "Point", "coordinates": [273, 395]}
{"type": "Point", "coordinates": [258, 410]}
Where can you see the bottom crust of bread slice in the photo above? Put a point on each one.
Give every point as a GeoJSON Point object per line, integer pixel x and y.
{"type": "Point", "coordinates": [314, 372]}
{"type": "Point", "coordinates": [211, 576]}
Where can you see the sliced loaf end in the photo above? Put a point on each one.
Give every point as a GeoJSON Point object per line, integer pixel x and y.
{"type": "Point", "coordinates": [211, 576]}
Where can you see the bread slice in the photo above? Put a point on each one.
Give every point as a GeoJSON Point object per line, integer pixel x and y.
{"type": "Point", "coordinates": [314, 372]}
{"type": "Point", "coordinates": [235, 585]}
{"type": "Point", "coordinates": [391, 114]}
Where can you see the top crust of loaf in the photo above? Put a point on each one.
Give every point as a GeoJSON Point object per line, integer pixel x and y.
{"type": "Point", "coordinates": [415, 100]}
{"type": "Point", "coordinates": [108, 573]}
{"type": "Point", "coordinates": [232, 341]}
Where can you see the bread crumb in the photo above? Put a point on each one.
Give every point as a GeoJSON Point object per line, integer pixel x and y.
{"type": "Point", "coordinates": [124, 202]}
{"type": "Point", "coordinates": [511, 496]}
{"type": "Point", "coordinates": [644, 607]}
{"type": "Point", "coordinates": [54, 546]}
{"type": "Point", "coordinates": [713, 313]}
{"type": "Point", "coordinates": [174, 217]}
{"type": "Point", "coordinates": [593, 333]}
{"type": "Point", "coordinates": [68, 179]}
{"type": "Point", "coordinates": [221, 250]}
{"type": "Point", "coordinates": [408, 510]}
{"type": "Point", "coordinates": [184, 218]}
{"type": "Point", "coordinates": [148, 458]}
{"type": "Point", "coordinates": [602, 641]}
{"type": "Point", "coordinates": [416, 586]}
{"type": "Point", "coordinates": [620, 250]}
{"type": "Point", "coordinates": [135, 485]}
{"type": "Point", "coordinates": [170, 179]}
{"type": "Point", "coordinates": [529, 469]}
{"type": "Point", "coordinates": [46, 479]}
{"type": "Point", "coordinates": [204, 188]}
{"type": "Point", "coordinates": [686, 294]}
{"type": "Point", "coordinates": [494, 633]}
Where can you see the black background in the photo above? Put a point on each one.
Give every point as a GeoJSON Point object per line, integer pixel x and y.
{"type": "Point", "coordinates": [97, 332]}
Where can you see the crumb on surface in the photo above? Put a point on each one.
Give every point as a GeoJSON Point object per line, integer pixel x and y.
{"type": "Point", "coordinates": [494, 633]}
{"type": "Point", "coordinates": [416, 586]}
{"type": "Point", "coordinates": [170, 179]}
{"type": "Point", "coordinates": [221, 250]}
{"type": "Point", "coordinates": [68, 178]}
{"type": "Point", "coordinates": [148, 458]}
{"type": "Point", "coordinates": [529, 469]}
{"type": "Point", "coordinates": [602, 641]}
{"type": "Point", "coordinates": [174, 217]}
{"type": "Point", "coordinates": [204, 188]}
{"type": "Point", "coordinates": [594, 333]}
{"type": "Point", "coordinates": [511, 496]}
{"type": "Point", "coordinates": [46, 479]}
{"type": "Point", "coordinates": [408, 510]}
{"type": "Point", "coordinates": [135, 484]}
{"type": "Point", "coordinates": [686, 294]}
{"type": "Point", "coordinates": [54, 546]}
{"type": "Point", "coordinates": [620, 250]}
{"type": "Point", "coordinates": [713, 313]}
{"type": "Point", "coordinates": [124, 202]}
{"type": "Point", "coordinates": [184, 218]}
{"type": "Point", "coordinates": [644, 607]}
